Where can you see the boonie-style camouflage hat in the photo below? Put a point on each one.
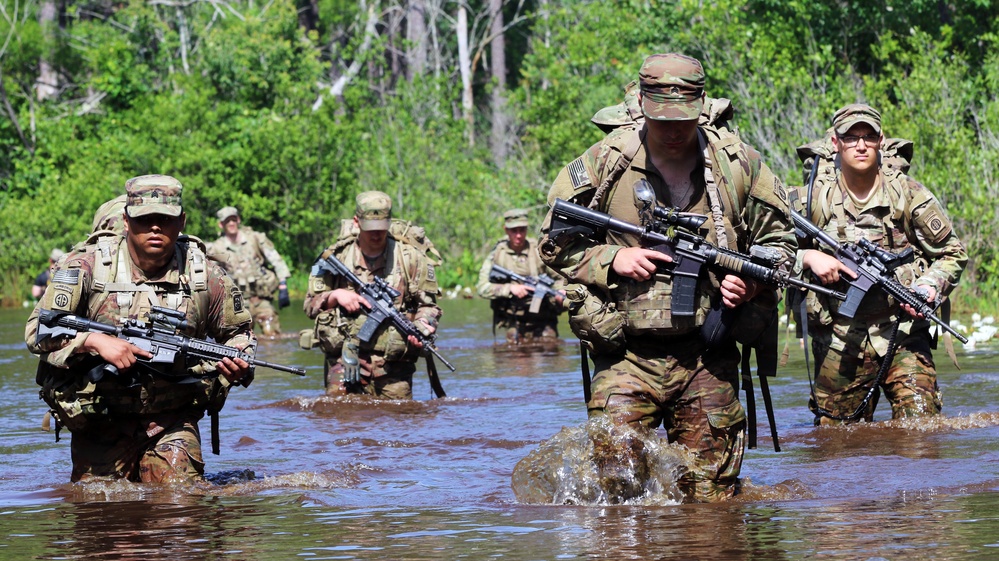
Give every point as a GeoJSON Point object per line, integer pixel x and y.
{"type": "Point", "coordinates": [672, 87]}
{"type": "Point", "coordinates": [226, 213]}
{"type": "Point", "coordinates": [153, 194]}
{"type": "Point", "coordinates": [850, 115]}
{"type": "Point", "coordinates": [516, 218]}
{"type": "Point", "coordinates": [374, 210]}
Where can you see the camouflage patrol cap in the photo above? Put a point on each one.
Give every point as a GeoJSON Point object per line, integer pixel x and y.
{"type": "Point", "coordinates": [153, 194]}
{"type": "Point", "coordinates": [672, 87]}
{"type": "Point", "coordinates": [850, 115]}
{"type": "Point", "coordinates": [226, 213]}
{"type": "Point", "coordinates": [516, 218]}
{"type": "Point", "coordinates": [109, 216]}
{"type": "Point", "coordinates": [374, 210]}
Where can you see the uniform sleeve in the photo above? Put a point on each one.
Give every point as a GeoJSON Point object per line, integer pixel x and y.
{"type": "Point", "coordinates": [936, 239]}
{"type": "Point", "coordinates": [273, 257]}
{"type": "Point", "coordinates": [67, 292]}
{"type": "Point", "coordinates": [767, 212]}
{"type": "Point", "coordinates": [229, 320]}
{"type": "Point", "coordinates": [427, 291]}
{"type": "Point", "coordinates": [491, 290]}
{"type": "Point", "coordinates": [576, 257]}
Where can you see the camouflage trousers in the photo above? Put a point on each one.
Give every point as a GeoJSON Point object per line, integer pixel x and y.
{"type": "Point", "coordinates": [264, 315]}
{"type": "Point", "coordinates": [147, 448]}
{"type": "Point", "coordinates": [395, 380]}
{"type": "Point", "coordinates": [843, 378]}
{"type": "Point", "coordinates": [691, 392]}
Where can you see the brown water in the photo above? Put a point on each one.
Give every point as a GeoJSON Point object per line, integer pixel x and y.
{"type": "Point", "coordinates": [303, 476]}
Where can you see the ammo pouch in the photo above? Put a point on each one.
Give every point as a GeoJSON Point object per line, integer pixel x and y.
{"type": "Point", "coordinates": [71, 396]}
{"type": "Point", "coordinates": [597, 323]}
{"type": "Point", "coordinates": [329, 335]}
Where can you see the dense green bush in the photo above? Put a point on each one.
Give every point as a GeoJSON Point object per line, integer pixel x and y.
{"type": "Point", "coordinates": [235, 103]}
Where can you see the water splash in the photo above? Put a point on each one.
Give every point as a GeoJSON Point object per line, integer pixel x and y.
{"type": "Point", "coordinates": [600, 463]}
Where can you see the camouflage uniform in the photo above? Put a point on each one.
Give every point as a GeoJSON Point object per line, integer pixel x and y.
{"type": "Point", "coordinates": [247, 261]}
{"type": "Point", "coordinates": [664, 375]}
{"type": "Point", "coordinates": [510, 313]}
{"type": "Point", "coordinates": [135, 425]}
{"type": "Point", "coordinates": [899, 213]}
{"type": "Point", "coordinates": [388, 361]}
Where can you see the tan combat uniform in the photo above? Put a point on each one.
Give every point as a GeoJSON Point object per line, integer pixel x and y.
{"type": "Point", "coordinates": [513, 314]}
{"type": "Point", "coordinates": [137, 426]}
{"type": "Point", "coordinates": [664, 375]}
{"type": "Point", "coordinates": [257, 269]}
{"type": "Point", "coordinates": [900, 213]}
{"type": "Point", "coordinates": [389, 361]}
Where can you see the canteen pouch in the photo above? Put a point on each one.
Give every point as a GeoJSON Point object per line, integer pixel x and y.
{"type": "Point", "coordinates": [598, 324]}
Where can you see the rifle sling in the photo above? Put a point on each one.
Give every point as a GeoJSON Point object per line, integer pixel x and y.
{"type": "Point", "coordinates": [435, 379]}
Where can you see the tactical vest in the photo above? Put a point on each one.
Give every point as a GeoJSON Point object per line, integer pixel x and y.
{"type": "Point", "coordinates": [825, 205]}
{"type": "Point", "coordinates": [81, 404]}
{"type": "Point", "coordinates": [409, 245]}
{"type": "Point", "coordinates": [646, 305]}
{"type": "Point", "coordinates": [513, 307]}
{"type": "Point", "coordinates": [252, 276]}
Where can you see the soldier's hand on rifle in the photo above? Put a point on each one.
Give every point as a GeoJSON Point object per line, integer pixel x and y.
{"type": "Point", "coordinates": [520, 290]}
{"type": "Point", "coordinates": [638, 263]}
{"type": "Point", "coordinates": [825, 267]}
{"type": "Point", "coordinates": [117, 352]}
{"type": "Point", "coordinates": [235, 370]}
{"type": "Point", "coordinates": [930, 295]}
{"type": "Point", "coordinates": [425, 328]}
{"type": "Point", "coordinates": [284, 300]}
{"type": "Point", "coordinates": [349, 300]}
{"type": "Point", "coordinates": [735, 290]}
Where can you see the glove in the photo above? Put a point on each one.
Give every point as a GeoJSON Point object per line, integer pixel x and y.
{"type": "Point", "coordinates": [283, 299]}
{"type": "Point", "coordinates": [351, 364]}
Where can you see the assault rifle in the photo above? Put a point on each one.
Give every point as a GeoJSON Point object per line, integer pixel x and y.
{"type": "Point", "coordinates": [670, 232]}
{"type": "Point", "coordinates": [159, 338]}
{"type": "Point", "coordinates": [874, 267]}
{"type": "Point", "coordinates": [380, 295]}
{"type": "Point", "coordinates": [541, 284]}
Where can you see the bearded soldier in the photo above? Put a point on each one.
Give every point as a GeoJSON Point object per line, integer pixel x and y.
{"type": "Point", "coordinates": [137, 424]}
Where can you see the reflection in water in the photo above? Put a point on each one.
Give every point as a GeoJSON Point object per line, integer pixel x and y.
{"type": "Point", "coordinates": [602, 463]}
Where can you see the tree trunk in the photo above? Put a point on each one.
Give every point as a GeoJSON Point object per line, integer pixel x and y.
{"type": "Point", "coordinates": [497, 49]}
{"type": "Point", "coordinates": [416, 38]}
{"type": "Point", "coordinates": [465, 68]}
{"type": "Point", "coordinates": [47, 84]}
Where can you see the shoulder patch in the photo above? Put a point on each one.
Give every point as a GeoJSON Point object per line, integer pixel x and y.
{"type": "Point", "coordinates": [66, 276]}
{"type": "Point", "coordinates": [780, 192]}
{"type": "Point", "coordinates": [237, 300]}
{"type": "Point", "coordinates": [431, 275]}
{"type": "Point", "coordinates": [578, 174]}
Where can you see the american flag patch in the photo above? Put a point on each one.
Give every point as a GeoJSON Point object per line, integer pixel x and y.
{"type": "Point", "coordinates": [577, 173]}
{"type": "Point", "coordinates": [66, 276]}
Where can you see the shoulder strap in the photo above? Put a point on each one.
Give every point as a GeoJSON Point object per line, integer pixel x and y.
{"type": "Point", "coordinates": [625, 145]}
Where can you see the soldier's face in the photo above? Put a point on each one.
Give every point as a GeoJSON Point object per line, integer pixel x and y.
{"type": "Point", "coordinates": [855, 152]}
{"type": "Point", "coordinates": [231, 225]}
{"type": "Point", "coordinates": [372, 242]}
{"type": "Point", "coordinates": [517, 236]}
{"type": "Point", "coordinates": [153, 236]}
{"type": "Point", "coordinates": [671, 139]}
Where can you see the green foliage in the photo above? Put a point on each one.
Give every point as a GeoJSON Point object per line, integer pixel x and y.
{"type": "Point", "coordinates": [233, 101]}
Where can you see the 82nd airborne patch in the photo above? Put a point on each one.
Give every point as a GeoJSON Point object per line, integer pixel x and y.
{"type": "Point", "coordinates": [237, 300]}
